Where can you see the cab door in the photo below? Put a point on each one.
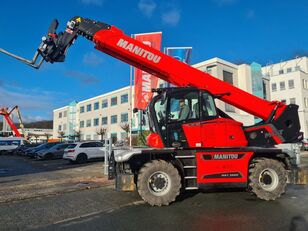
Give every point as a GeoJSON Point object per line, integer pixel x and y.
{"type": "Point", "coordinates": [183, 111]}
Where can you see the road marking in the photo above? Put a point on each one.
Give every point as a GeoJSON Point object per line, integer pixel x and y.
{"type": "Point", "coordinates": [71, 220]}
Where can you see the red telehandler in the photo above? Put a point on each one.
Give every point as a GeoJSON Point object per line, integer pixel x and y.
{"type": "Point", "coordinates": [205, 147]}
{"type": "Point", "coordinates": [7, 116]}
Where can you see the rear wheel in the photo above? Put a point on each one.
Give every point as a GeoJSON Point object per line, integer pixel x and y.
{"type": "Point", "coordinates": [48, 156]}
{"type": "Point", "coordinates": [267, 178]}
{"type": "Point", "coordinates": [159, 183]}
{"type": "Point", "coordinates": [81, 158]}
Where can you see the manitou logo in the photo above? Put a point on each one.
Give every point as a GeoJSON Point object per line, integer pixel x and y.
{"type": "Point", "coordinates": [138, 51]}
{"type": "Point", "coordinates": [226, 156]}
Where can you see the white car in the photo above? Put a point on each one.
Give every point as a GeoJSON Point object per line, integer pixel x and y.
{"type": "Point", "coordinates": [81, 152]}
{"type": "Point", "coordinates": [8, 144]}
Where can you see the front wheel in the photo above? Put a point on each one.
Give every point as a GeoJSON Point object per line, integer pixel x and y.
{"type": "Point", "coordinates": [267, 178]}
{"type": "Point", "coordinates": [159, 183]}
{"type": "Point", "coordinates": [81, 158]}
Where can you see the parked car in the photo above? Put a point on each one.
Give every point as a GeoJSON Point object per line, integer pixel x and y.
{"type": "Point", "coordinates": [22, 148]}
{"type": "Point", "coordinates": [8, 144]}
{"type": "Point", "coordinates": [81, 152]}
{"type": "Point", "coordinates": [55, 152]}
{"type": "Point", "coordinates": [31, 153]}
{"type": "Point", "coordinates": [305, 144]}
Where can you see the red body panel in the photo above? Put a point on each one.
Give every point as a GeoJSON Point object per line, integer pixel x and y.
{"type": "Point", "coordinates": [154, 141]}
{"type": "Point", "coordinates": [219, 132]}
{"type": "Point", "coordinates": [222, 167]}
{"type": "Point", "coordinates": [115, 43]}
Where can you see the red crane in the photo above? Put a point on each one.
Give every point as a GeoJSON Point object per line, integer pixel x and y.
{"type": "Point", "coordinates": [205, 147]}
{"type": "Point", "coordinates": [7, 116]}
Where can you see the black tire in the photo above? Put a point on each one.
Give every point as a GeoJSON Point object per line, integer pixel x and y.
{"type": "Point", "coordinates": [267, 178]}
{"type": "Point", "coordinates": [82, 158]}
{"type": "Point", "coordinates": [167, 179]}
{"type": "Point", "coordinates": [48, 156]}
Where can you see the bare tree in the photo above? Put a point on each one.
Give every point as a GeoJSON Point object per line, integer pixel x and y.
{"type": "Point", "coordinates": [36, 136]}
{"type": "Point", "coordinates": [47, 135]}
{"type": "Point", "coordinates": [61, 135]}
{"type": "Point", "coordinates": [77, 135]}
{"type": "Point", "coordinates": [102, 132]}
{"type": "Point", "coordinates": [126, 128]}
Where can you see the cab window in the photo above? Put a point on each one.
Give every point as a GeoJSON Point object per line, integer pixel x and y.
{"type": "Point", "coordinates": [184, 106]}
{"type": "Point", "coordinates": [208, 106]}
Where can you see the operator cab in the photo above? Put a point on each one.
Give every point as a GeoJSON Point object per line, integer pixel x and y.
{"type": "Point", "coordinates": [188, 117]}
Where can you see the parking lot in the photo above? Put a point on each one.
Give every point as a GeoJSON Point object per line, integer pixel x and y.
{"type": "Point", "coordinates": [22, 178]}
{"type": "Point", "coordinates": [56, 195]}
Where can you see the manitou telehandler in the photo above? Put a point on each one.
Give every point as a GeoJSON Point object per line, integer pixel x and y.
{"type": "Point", "coordinates": [206, 148]}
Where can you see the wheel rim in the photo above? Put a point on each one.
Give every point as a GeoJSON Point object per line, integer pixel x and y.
{"type": "Point", "coordinates": [268, 179]}
{"type": "Point", "coordinates": [159, 183]}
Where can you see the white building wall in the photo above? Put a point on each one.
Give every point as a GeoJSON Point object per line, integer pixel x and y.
{"type": "Point", "coordinates": [82, 117]}
{"type": "Point", "coordinates": [241, 75]}
{"type": "Point", "coordinates": [291, 70]}
{"type": "Point", "coordinates": [60, 121]}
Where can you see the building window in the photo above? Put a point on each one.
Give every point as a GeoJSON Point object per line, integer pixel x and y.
{"type": "Point", "coordinates": [105, 103]}
{"type": "Point", "coordinates": [280, 72]}
{"type": "Point", "coordinates": [282, 85]}
{"type": "Point", "coordinates": [124, 98]}
{"type": "Point", "coordinates": [104, 120]}
{"type": "Point", "coordinates": [284, 101]}
{"type": "Point", "coordinates": [65, 114]}
{"type": "Point", "coordinates": [114, 137]}
{"type": "Point", "coordinates": [297, 68]}
{"type": "Point", "coordinates": [88, 137]}
{"type": "Point", "coordinates": [306, 102]}
{"type": "Point", "coordinates": [88, 123]}
{"type": "Point", "coordinates": [60, 115]}
{"type": "Point", "coordinates": [124, 117]}
{"type": "Point", "coordinates": [114, 119]}
{"type": "Point", "coordinates": [64, 127]}
{"type": "Point", "coordinates": [59, 128]}
{"type": "Point", "coordinates": [114, 101]}
{"type": "Point", "coordinates": [95, 122]}
{"type": "Point", "coordinates": [81, 109]}
{"type": "Point", "coordinates": [292, 101]}
{"type": "Point", "coordinates": [82, 124]}
{"type": "Point", "coordinates": [228, 77]}
{"type": "Point", "coordinates": [305, 84]}
{"type": "Point", "coordinates": [89, 107]}
{"type": "Point", "coordinates": [274, 87]}
{"type": "Point", "coordinates": [291, 83]}
{"type": "Point", "coordinates": [289, 70]}
{"type": "Point", "coordinates": [96, 105]}
{"type": "Point", "coordinates": [229, 108]}
{"type": "Point", "coordinates": [123, 135]}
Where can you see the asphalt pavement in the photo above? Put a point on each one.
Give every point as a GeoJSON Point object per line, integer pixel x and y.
{"type": "Point", "coordinates": [104, 208]}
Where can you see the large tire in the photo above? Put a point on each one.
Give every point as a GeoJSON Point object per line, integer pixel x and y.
{"type": "Point", "coordinates": [159, 183]}
{"type": "Point", "coordinates": [267, 178]}
{"type": "Point", "coordinates": [82, 158]}
{"type": "Point", "coordinates": [48, 156]}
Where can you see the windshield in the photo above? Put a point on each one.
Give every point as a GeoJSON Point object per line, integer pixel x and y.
{"type": "Point", "coordinates": [72, 146]}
